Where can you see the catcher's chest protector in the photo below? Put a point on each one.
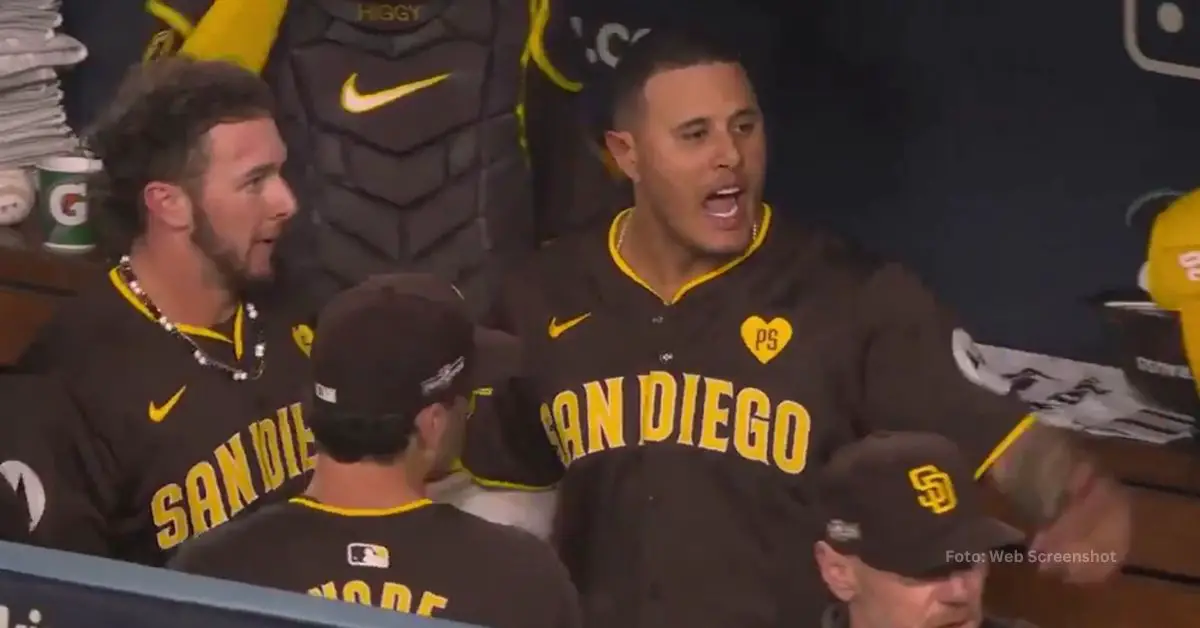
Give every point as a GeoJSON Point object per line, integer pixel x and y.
{"type": "Point", "coordinates": [403, 137]}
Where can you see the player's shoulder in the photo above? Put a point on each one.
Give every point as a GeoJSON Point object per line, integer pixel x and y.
{"type": "Point", "coordinates": [93, 323]}
{"type": "Point", "coordinates": [514, 551]}
{"type": "Point", "coordinates": [566, 262]}
{"type": "Point", "coordinates": [32, 400]}
{"type": "Point", "coordinates": [243, 539]}
{"type": "Point", "coordinates": [796, 252]}
{"type": "Point", "coordinates": [802, 260]}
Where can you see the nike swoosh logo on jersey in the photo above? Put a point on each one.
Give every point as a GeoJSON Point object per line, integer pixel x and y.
{"type": "Point", "coordinates": [355, 101]}
{"type": "Point", "coordinates": [557, 329]}
{"type": "Point", "coordinates": [158, 413]}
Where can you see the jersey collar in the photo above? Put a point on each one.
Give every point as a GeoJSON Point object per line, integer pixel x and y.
{"type": "Point", "coordinates": [614, 233]}
{"type": "Point", "coordinates": [201, 332]}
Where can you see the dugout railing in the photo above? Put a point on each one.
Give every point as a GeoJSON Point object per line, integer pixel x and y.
{"type": "Point", "coordinates": [51, 589]}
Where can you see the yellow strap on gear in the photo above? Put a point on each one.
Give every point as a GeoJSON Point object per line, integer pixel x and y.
{"type": "Point", "coordinates": [239, 31]}
{"type": "Point", "coordinates": [1189, 328]}
{"type": "Point", "coordinates": [536, 48]}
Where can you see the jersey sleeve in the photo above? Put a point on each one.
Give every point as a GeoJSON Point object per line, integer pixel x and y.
{"type": "Point", "coordinates": [923, 373]}
{"type": "Point", "coordinates": [54, 464]}
{"type": "Point", "coordinates": [63, 444]}
{"type": "Point", "coordinates": [506, 445]}
{"type": "Point", "coordinates": [198, 556]}
{"type": "Point", "coordinates": [14, 515]}
{"type": "Point", "coordinates": [565, 600]}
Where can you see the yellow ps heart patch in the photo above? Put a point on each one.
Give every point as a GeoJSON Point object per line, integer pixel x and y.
{"type": "Point", "coordinates": [766, 340]}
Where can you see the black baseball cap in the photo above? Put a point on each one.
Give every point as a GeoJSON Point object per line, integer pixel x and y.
{"type": "Point", "coordinates": [396, 343]}
{"type": "Point", "coordinates": [906, 503]}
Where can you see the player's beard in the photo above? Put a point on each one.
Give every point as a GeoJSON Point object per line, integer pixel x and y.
{"type": "Point", "coordinates": [229, 269]}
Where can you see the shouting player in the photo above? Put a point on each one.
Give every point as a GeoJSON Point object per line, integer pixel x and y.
{"type": "Point", "coordinates": [577, 43]}
{"type": "Point", "coordinates": [395, 361]}
{"type": "Point", "coordinates": [184, 360]}
{"type": "Point", "coordinates": [906, 541]}
{"type": "Point", "coordinates": [691, 364]}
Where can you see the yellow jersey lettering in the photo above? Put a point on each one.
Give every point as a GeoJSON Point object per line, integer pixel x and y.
{"type": "Point", "coordinates": [392, 596]}
{"type": "Point", "coordinates": [328, 591]}
{"type": "Point", "coordinates": [169, 516]}
{"type": "Point", "coordinates": [551, 428]}
{"type": "Point", "coordinates": [604, 402]}
{"type": "Point", "coordinates": [714, 422]}
{"type": "Point", "coordinates": [265, 436]}
{"type": "Point", "coordinates": [567, 424]}
{"type": "Point", "coordinates": [687, 415]}
{"type": "Point", "coordinates": [658, 392]}
{"type": "Point", "coordinates": [396, 597]}
{"type": "Point", "coordinates": [214, 490]}
{"type": "Point", "coordinates": [235, 470]}
{"type": "Point", "coordinates": [378, 12]}
{"type": "Point", "coordinates": [430, 604]}
{"type": "Point", "coordinates": [790, 446]}
{"type": "Point", "coordinates": [305, 441]}
{"type": "Point", "coordinates": [204, 498]}
{"type": "Point", "coordinates": [290, 460]}
{"type": "Point", "coordinates": [752, 425]}
{"type": "Point", "coordinates": [356, 592]}
{"type": "Point", "coordinates": [685, 409]}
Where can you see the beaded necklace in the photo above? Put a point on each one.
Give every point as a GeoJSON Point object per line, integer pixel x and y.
{"type": "Point", "coordinates": [236, 373]}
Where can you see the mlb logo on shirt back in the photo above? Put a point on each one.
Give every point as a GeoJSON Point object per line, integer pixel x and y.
{"type": "Point", "coordinates": [367, 555]}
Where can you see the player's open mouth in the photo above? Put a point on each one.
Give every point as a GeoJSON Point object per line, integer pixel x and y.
{"type": "Point", "coordinates": [723, 203]}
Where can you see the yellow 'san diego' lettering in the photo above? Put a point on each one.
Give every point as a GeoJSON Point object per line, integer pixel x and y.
{"type": "Point", "coordinates": [687, 409]}
{"type": "Point", "coordinates": [215, 490]}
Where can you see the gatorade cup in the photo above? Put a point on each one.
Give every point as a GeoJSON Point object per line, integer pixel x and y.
{"type": "Point", "coordinates": [62, 203]}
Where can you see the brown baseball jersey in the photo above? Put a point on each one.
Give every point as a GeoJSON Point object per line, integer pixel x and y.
{"type": "Point", "coordinates": [683, 432]}
{"type": "Point", "coordinates": [36, 411]}
{"type": "Point", "coordinates": [424, 558]}
{"type": "Point", "coordinates": [165, 448]}
{"type": "Point", "coordinates": [14, 514]}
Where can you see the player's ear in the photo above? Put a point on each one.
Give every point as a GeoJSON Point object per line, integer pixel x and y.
{"type": "Point", "coordinates": [431, 424]}
{"type": "Point", "coordinates": [168, 204]}
{"type": "Point", "coordinates": [620, 145]}
{"type": "Point", "coordinates": [837, 571]}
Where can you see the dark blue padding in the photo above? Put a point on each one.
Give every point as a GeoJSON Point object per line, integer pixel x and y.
{"type": "Point", "coordinates": [64, 590]}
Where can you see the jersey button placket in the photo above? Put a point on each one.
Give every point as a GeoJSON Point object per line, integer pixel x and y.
{"type": "Point", "coordinates": [665, 354]}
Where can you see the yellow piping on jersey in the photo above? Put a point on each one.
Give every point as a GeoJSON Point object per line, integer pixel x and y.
{"type": "Point", "coordinates": [190, 330]}
{"type": "Point", "coordinates": [614, 234]}
{"type": "Point", "coordinates": [238, 325]}
{"type": "Point", "coordinates": [505, 486]}
{"type": "Point", "coordinates": [360, 512]}
{"type": "Point", "coordinates": [239, 31]}
{"type": "Point", "coordinates": [1022, 427]}
{"type": "Point", "coordinates": [171, 17]}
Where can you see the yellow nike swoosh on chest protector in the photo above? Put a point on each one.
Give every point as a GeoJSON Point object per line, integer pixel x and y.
{"type": "Point", "coordinates": [355, 101]}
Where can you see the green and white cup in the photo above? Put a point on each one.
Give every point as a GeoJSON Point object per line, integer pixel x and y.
{"type": "Point", "coordinates": [63, 203]}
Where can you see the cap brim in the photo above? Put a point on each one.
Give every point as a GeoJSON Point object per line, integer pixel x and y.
{"type": "Point", "coordinates": [987, 534]}
{"type": "Point", "coordinates": [497, 358]}
{"type": "Point", "coordinates": [977, 537]}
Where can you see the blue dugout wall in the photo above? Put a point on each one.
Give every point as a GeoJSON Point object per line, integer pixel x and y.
{"type": "Point", "coordinates": [51, 589]}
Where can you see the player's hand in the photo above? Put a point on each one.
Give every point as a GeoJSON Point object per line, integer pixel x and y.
{"type": "Point", "coordinates": [1089, 540]}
